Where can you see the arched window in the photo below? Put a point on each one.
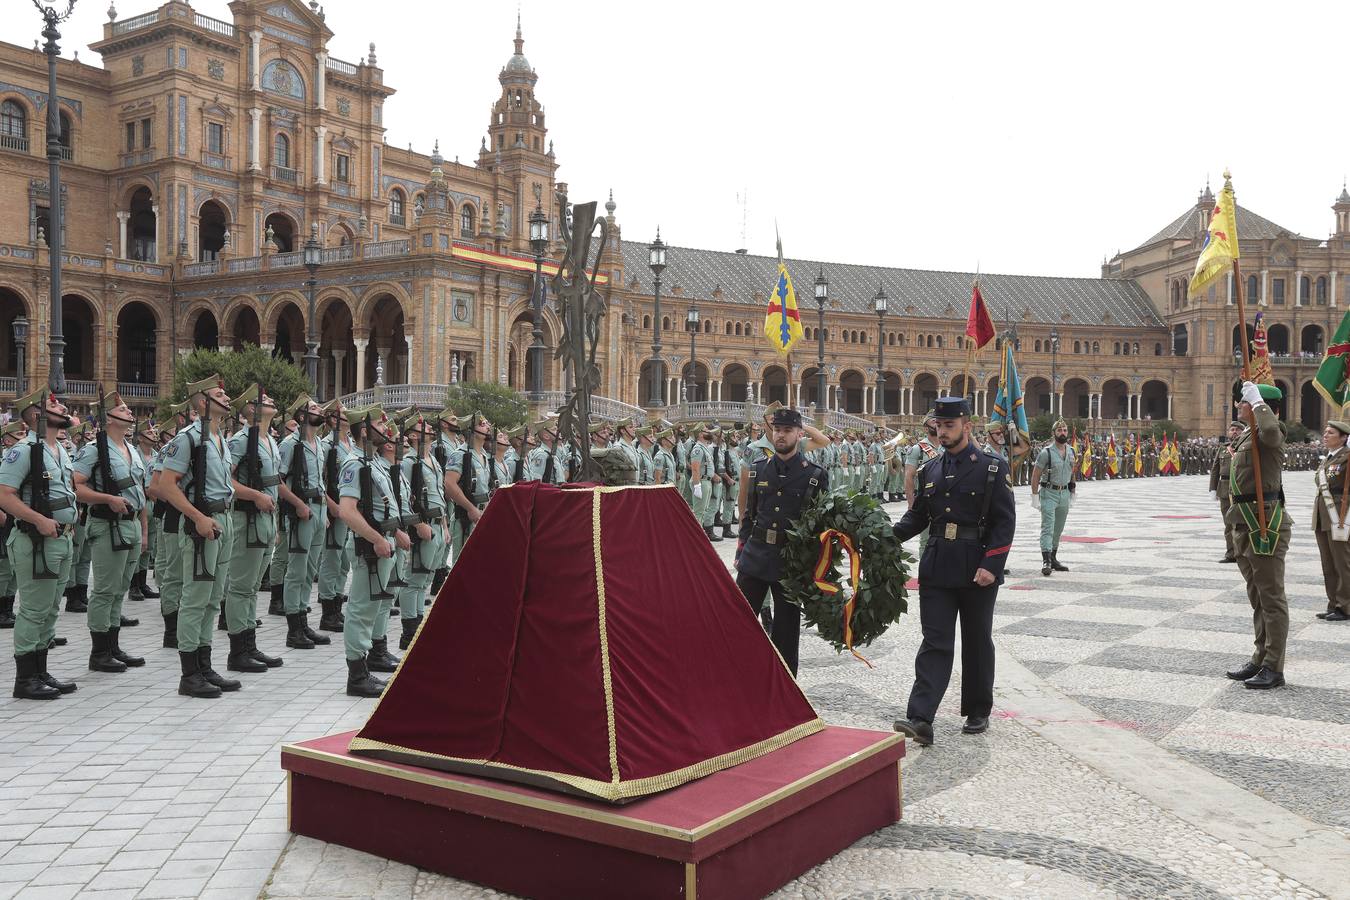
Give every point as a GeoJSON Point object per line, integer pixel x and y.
{"type": "Point", "coordinates": [281, 151]}
{"type": "Point", "coordinates": [1304, 290]}
{"type": "Point", "coordinates": [646, 322]}
{"type": "Point", "coordinates": [1321, 290]}
{"type": "Point", "coordinates": [1136, 348]}
{"type": "Point", "coordinates": [1116, 351]}
{"type": "Point", "coordinates": [900, 339]}
{"type": "Point", "coordinates": [1096, 347]}
{"type": "Point", "coordinates": [66, 137]}
{"type": "Point", "coordinates": [1077, 347]}
{"type": "Point", "coordinates": [728, 328]}
{"type": "Point", "coordinates": [665, 323]}
{"type": "Point", "coordinates": [939, 342]}
{"type": "Point", "coordinates": [396, 207]}
{"type": "Point", "coordinates": [958, 342]}
{"type": "Point", "coordinates": [1253, 289]}
{"type": "Point", "coordinates": [739, 333]}
{"type": "Point", "coordinates": [466, 218]}
{"type": "Point", "coordinates": [1157, 349]}
{"type": "Point", "coordinates": [13, 126]}
{"type": "Point", "coordinates": [1037, 346]}
{"type": "Point", "coordinates": [707, 326]}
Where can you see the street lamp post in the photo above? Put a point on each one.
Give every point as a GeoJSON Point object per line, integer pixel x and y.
{"type": "Point", "coordinates": [657, 263]}
{"type": "Point", "coordinates": [312, 256]}
{"type": "Point", "coordinates": [1054, 373]}
{"type": "Point", "coordinates": [879, 303]}
{"type": "Point", "coordinates": [56, 342]}
{"type": "Point", "coordinates": [539, 244]}
{"type": "Point", "coordinates": [20, 344]}
{"type": "Point", "coordinates": [691, 325]}
{"type": "Point", "coordinates": [822, 296]}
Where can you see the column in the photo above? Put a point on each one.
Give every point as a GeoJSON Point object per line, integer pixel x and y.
{"type": "Point", "coordinates": [339, 357]}
{"type": "Point", "coordinates": [255, 129]}
{"type": "Point", "coordinates": [154, 209]}
{"type": "Point", "coordinates": [1169, 404]}
{"type": "Point", "coordinates": [361, 344]}
{"type": "Point", "coordinates": [1264, 273]}
{"type": "Point", "coordinates": [255, 38]}
{"type": "Point", "coordinates": [1229, 282]}
{"type": "Point", "coordinates": [122, 218]}
{"type": "Point", "coordinates": [321, 81]}
{"type": "Point", "coordinates": [1332, 289]}
{"type": "Point", "coordinates": [1058, 402]}
{"type": "Point", "coordinates": [320, 154]}
{"type": "Point", "coordinates": [381, 365]}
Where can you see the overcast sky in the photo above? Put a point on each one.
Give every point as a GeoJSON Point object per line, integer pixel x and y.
{"type": "Point", "coordinates": [1020, 137]}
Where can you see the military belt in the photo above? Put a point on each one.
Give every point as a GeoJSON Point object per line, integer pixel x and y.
{"type": "Point", "coordinates": [435, 512]}
{"type": "Point", "coordinates": [28, 528]}
{"type": "Point", "coordinates": [55, 503]}
{"type": "Point", "coordinates": [1251, 498]}
{"type": "Point", "coordinates": [103, 512]}
{"type": "Point", "coordinates": [309, 495]}
{"type": "Point", "coordinates": [211, 507]}
{"type": "Point", "coordinates": [952, 532]}
{"type": "Point", "coordinates": [771, 536]}
{"type": "Point", "coordinates": [1055, 487]}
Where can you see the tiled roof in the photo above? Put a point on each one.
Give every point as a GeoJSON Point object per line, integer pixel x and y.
{"type": "Point", "coordinates": [936, 295]}
{"type": "Point", "coordinates": [1250, 226]}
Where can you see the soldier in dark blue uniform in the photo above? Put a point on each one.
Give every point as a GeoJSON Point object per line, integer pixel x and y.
{"type": "Point", "coordinates": [780, 487]}
{"type": "Point", "coordinates": [965, 497]}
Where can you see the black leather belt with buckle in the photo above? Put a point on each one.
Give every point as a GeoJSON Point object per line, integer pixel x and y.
{"type": "Point", "coordinates": [768, 535]}
{"type": "Point", "coordinates": [953, 532]}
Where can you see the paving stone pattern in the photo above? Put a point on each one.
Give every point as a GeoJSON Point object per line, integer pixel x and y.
{"type": "Point", "coordinates": [125, 789]}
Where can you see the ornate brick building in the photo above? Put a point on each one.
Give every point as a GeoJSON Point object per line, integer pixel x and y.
{"type": "Point", "coordinates": [203, 155]}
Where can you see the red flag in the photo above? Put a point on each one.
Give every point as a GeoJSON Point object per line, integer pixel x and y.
{"type": "Point", "coordinates": [979, 327]}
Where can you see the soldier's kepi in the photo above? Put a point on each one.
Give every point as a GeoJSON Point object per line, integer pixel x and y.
{"type": "Point", "coordinates": [37, 491]}
{"type": "Point", "coordinates": [197, 465]}
{"type": "Point", "coordinates": [109, 478]}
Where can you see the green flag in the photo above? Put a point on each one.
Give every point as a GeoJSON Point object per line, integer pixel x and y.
{"type": "Point", "coordinates": [1332, 373]}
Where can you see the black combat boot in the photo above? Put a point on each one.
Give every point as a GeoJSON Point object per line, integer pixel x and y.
{"type": "Point", "coordinates": [330, 619]}
{"type": "Point", "coordinates": [439, 579]}
{"type": "Point", "coordinates": [276, 606]}
{"type": "Point", "coordinates": [27, 684]}
{"type": "Point", "coordinates": [359, 680]}
{"type": "Point", "coordinates": [127, 622]}
{"type": "Point", "coordinates": [7, 612]}
{"type": "Point", "coordinates": [1045, 562]}
{"type": "Point", "coordinates": [147, 591]}
{"type": "Point", "coordinates": [272, 662]}
{"type": "Point", "coordinates": [712, 535]}
{"type": "Point", "coordinates": [65, 687]}
{"type": "Point", "coordinates": [240, 660]}
{"type": "Point", "coordinates": [310, 633]}
{"type": "Point", "coordinates": [210, 674]}
{"type": "Point", "coordinates": [1055, 563]}
{"type": "Point", "coordinates": [100, 654]}
{"type": "Point", "coordinates": [220, 620]}
{"type": "Point", "coordinates": [727, 532]}
{"type": "Point", "coordinates": [118, 654]}
{"type": "Point", "coordinates": [410, 626]}
{"type": "Point", "coordinates": [171, 630]}
{"type": "Point", "coordinates": [77, 598]}
{"type": "Point", "coordinates": [296, 638]}
{"type": "Point", "coordinates": [192, 684]}
{"type": "Point", "coordinates": [137, 582]}
{"type": "Point", "coordinates": [379, 659]}
{"type": "Point", "coordinates": [338, 601]}
{"type": "Point", "coordinates": [56, 642]}
{"type": "Point", "coordinates": [766, 618]}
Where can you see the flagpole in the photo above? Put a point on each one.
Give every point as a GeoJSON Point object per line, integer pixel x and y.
{"type": "Point", "coordinates": [1246, 376]}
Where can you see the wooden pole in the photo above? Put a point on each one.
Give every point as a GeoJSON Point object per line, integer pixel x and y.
{"type": "Point", "coordinates": [1251, 414]}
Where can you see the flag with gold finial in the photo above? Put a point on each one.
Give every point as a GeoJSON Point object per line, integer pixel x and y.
{"type": "Point", "coordinates": [782, 322]}
{"type": "Point", "coordinates": [1221, 241]}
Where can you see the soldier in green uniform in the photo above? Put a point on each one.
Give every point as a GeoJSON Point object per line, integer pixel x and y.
{"type": "Point", "coordinates": [719, 481]}
{"type": "Point", "coordinates": [448, 440]}
{"type": "Point", "coordinates": [1333, 539]}
{"type": "Point", "coordinates": [37, 491]}
{"type": "Point", "coordinates": [1218, 487]}
{"type": "Point", "coordinates": [195, 480]}
{"type": "Point", "coordinates": [334, 564]}
{"type": "Point", "coordinates": [110, 481]}
{"type": "Point", "coordinates": [645, 449]}
{"type": "Point", "coordinates": [501, 467]}
{"type": "Point", "coordinates": [700, 482]}
{"type": "Point", "coordinates": [430, 533]}
{"type": "Point", "coordinates": [370, 510]}
{"type": "Point", "coordinates": [10, 435]}
{"type": "Point", "coordinates": [147, 442]}
{"type": "Point", "coordinates": [544, 463]}
{"type": "Point", "coordinates": [168, 561]}
{"type": "Point", "coordinates": [466, 483]}
{"type": "Point", "coordinates": [732, 455]}
{"type": "Point", "coordinates": [255, 458]}
{"type": "Point", "coordinates": [685, 438]}
{"type": "Point", "coordinates": [281, 549]}
{"type": "Point", "coordinates": [1260, 553]}
{"type": "Point", "coordinates": [1052, 489]}
{"type": "Point", "coordinates": [304, 506]}
{"type": "Point", "coordinates": [663, 458]}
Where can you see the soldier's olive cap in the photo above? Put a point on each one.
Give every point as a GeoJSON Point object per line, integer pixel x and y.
{"type": "Point", "coordinates": [1059, 423]}
{"type": "Point", "coordinates": [244, 399]}
{"type": "Point", "coordinates": [644, 431]}
{"type": "Point", "coordinates": [624, 423]}
{"type": "Point", "coordinates": [1342, 427]}
{"type": "Point", "coordinates": [34, 398]}
{"type": "Point", "coordinates": [15, 427]}
{"type": "Point", "coordinates": [667, 435]}
{"type": "Point", "coordinates": [205, 384]}
{"type": "Point", "coordinates": [79, 429]}
{"type": "Point", "coordinates": [548, 423]}
{"type": "Point", "coordinates": [300, 403]}
{"type": "Point", "coordinates": [518, 431]}
{"type": "Point", "coordinates": [596, 427]}
{"type": "Point", "coordinates": [181, 409]}
{"type": "Point", "coordinates": [401, 416]}
{"type": "Point", "coordinates": [111, 400]}
{"type": "Point", "coordinates": [996, 426]}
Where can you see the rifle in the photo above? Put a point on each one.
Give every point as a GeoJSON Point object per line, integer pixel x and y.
{"type": "Point", "coordinates": [330, 480]}
{"type": "Point", "coordinates": [252, 472]}
{"type": "Point", "coordinates": [198, 466]}
{"type": "Point", "coordinates": [396, 482]}
{"type": "Point", "coordinates": [418, 489]}
{"type": "Point", "coordinates": [365, 504]}
{"type": "Point", "coordinates": [105, 475]}
{"type": "Point", "coordinates": [467, 483]}
{"type": "Point", "coordinates": [40, 499]}
{"type": "Point", "coordinates": [493, 481]}
{"type": "Point", "coordinates": [299, 478]}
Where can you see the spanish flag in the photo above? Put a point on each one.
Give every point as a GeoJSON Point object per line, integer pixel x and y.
{"type": "Point", "coordinates": [1139, 457]}
{"type": "Point", "coordinates": [1112, 459]}
{"type": "Point", "coordinates": [783, 323]}
{"type": "Point", "coordinates": [1221, 241]}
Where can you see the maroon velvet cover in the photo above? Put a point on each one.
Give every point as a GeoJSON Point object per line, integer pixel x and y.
{"type": "Point", "coordinates": [588, 640]}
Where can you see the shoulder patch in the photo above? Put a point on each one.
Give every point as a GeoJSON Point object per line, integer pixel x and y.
{"type": "Point", "coordinates": [12, 455]}
{"type": "Point", "coordinates": [172, 449]}
{"type": "Point", "coordinates": [348, 474]}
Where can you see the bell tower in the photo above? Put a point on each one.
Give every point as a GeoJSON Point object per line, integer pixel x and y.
{"type": "Point", "coordinates": [517, 116]}
{"type": "Point", "coordinates": [1342, 211]}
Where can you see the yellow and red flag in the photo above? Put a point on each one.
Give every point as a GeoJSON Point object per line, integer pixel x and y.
{"type": "Point", "coordinates": [782, 322]}
{"type": "Point", "coordinates": [979, 327]}
{"type": "Point", "coordinates": [1221, 241]}
{"type": "Point", "coordinates": [1086, 468]}
{"type": "Point", "coordinates": [1139, 457]}
{"type": "Point", "coordinates": [1112, 459]}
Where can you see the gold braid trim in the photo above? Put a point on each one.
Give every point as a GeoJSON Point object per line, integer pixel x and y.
{"type": "Point", "coordinates": [604, 638]}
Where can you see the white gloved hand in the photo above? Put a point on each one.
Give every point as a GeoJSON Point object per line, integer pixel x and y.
{"type": "Point", "coordinates": [697, 489]}
{"type": "Point", "coordinates": [1036, 501]}
{"type": "Point", "coordinates": [1251, 393]}
{"type": "Point", "coordinates": [1072, 495]}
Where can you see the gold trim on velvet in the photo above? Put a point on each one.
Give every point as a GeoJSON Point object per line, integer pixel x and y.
{"type": "Point", "coordinates": [448, 782]}
{"type": "Point", "coordinates": [605, 677]}
{"type": "Point", "coordinates": [691, 881]}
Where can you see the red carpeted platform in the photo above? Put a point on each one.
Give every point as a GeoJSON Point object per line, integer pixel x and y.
{"type": "Point", "coordinates": [738, 833]}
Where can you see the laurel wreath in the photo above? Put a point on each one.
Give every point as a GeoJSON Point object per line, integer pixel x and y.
{"type": "Point", "coordinates": [881, 597]}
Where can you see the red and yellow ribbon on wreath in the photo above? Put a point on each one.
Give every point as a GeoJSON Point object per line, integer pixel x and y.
{"type": "Point", "coordinates": [827, 541]}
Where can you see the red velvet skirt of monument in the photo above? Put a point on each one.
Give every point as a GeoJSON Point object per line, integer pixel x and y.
{"type": "Point", "coordinates": [588, 640]}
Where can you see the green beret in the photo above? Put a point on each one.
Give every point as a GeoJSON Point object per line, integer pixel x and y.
{"type": "Point", "coordinates": [1270, 392]}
